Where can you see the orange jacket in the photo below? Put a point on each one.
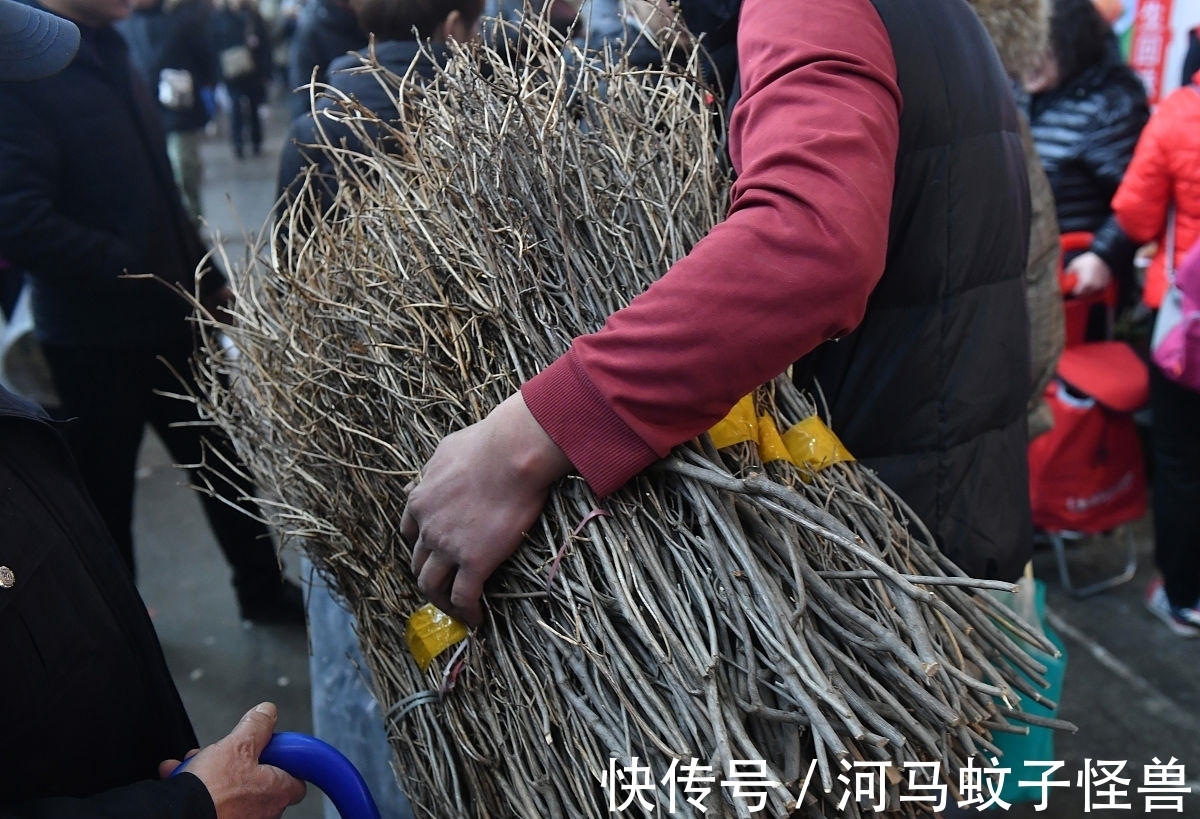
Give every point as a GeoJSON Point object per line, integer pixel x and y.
{"type": "Point", "coordinates": [1165, 168]}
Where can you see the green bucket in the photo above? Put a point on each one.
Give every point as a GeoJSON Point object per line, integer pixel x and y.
{"type": "Point", "coordinates": [1038, 744]}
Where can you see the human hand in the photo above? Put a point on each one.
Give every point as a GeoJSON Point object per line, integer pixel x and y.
{"type": "Point", "coordinates": [240, 787]}
{"type": "Point", "coordinates": [479, 494]}
{"type": "Point", "coordinates": [1092, 274]}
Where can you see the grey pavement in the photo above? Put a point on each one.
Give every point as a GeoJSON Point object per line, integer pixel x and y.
{"type": "Point", "coordinates": [1130, 684]}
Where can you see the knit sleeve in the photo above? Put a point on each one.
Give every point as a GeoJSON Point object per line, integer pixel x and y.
{"type": "Point", "coordinates": [813, 140]}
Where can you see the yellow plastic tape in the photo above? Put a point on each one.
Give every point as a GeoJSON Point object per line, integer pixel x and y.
{"type": "Point", "coordinates": [809, 443]}
{"type": "Point", "coordinates": [739, 426]}
{"type": "Point", "coordinates": [815, 445]}
{"type": "Point", "coordinates": [771, 446]}
{"type": "Point", "coordinates": [431, 631]}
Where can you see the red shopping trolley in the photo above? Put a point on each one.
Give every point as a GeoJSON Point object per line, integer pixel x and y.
{"type": "Point", "coordinates": [1087, 476]}
{"type": "Point", "coordinates": [1093, 311]}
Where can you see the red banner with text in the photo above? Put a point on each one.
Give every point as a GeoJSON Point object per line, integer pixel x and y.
{"type": "Point", "coordinates": [1148, 46]}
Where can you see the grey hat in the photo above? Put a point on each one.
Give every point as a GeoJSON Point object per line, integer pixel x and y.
{"type": "Point", "coordinates": [33, 43]}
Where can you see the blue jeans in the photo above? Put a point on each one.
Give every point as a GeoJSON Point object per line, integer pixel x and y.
{"type": "Point", "coordinates": [345, 711]}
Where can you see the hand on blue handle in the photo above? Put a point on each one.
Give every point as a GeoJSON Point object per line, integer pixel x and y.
{"type": "Point", "coordinates": [316, 761]}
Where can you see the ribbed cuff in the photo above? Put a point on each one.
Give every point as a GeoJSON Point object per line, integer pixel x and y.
{"type": "Point", "coordinates": [577, 417]}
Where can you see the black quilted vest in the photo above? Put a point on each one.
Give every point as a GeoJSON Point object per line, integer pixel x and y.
{"type": "Point", "coordinates": [930, 389]}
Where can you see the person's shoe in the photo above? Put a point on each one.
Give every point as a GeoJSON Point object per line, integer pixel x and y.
{"type": "Point", "coordinates": [285, 607]}
{"type": "Point", "coordinates": [1184, 621]}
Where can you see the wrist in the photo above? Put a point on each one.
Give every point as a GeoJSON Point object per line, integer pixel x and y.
{"type": "Point", "coordinates": [532, 455]}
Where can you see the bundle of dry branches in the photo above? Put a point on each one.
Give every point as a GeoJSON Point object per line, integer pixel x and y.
{"type": "Point", "coordinates": [716, 609]}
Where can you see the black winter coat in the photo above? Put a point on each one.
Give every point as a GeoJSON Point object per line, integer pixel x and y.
{"type": "Point", "coordinates": [87, 195]}
{"type": "Point", "coordinates": [90, 708]}
{"type": "Point", "coordinates": [176, 38]}
{"type": "Point", "coordinates": [1085, 130]}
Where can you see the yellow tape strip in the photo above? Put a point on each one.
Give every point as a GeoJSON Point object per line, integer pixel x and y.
{"type": "Point", "coordinates": [815, 445]}
{"type": "Point", "coordinates": [739, 426]}
{"type": "Point", "coordinates": [771, 446]}
{"type": "Point", "coordinates": [808, 444]}
{"type": "Point", "coordinates": [431, 631]}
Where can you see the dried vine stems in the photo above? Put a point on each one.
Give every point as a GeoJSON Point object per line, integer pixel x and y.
{"type": "Point", "coordinates": [716, 609]}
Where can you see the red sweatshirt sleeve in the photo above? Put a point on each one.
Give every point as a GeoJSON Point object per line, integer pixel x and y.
{"type": "Point", "coordinates": [813, 140]}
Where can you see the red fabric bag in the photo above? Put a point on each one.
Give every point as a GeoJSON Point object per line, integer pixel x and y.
{"type": "Point", "coordinates": [1087, 473]}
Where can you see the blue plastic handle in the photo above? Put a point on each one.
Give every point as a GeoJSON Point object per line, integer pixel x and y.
{"type": "Point", "coordinates": [316, 761]}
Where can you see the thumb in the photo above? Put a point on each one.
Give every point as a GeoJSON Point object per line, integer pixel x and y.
{"type": "Point", "coordinates": [256, 727]}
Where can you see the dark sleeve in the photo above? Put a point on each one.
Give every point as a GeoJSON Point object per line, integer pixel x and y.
{"type": "Point", "coordinates": [1112, 245]}
{"type": "Point", "coordinates": [34, 233]}
{"type": "Point", "coordinates": [180, 797]}
{"type": "Point", "coordinates": [1110, 148]}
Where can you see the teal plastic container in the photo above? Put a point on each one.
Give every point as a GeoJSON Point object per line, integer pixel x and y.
{"type": "Point", "coordinates": [1038, 744]}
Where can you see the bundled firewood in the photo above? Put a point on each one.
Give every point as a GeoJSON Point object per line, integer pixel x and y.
{"type": "Point", "coordinates": [745, 607]}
